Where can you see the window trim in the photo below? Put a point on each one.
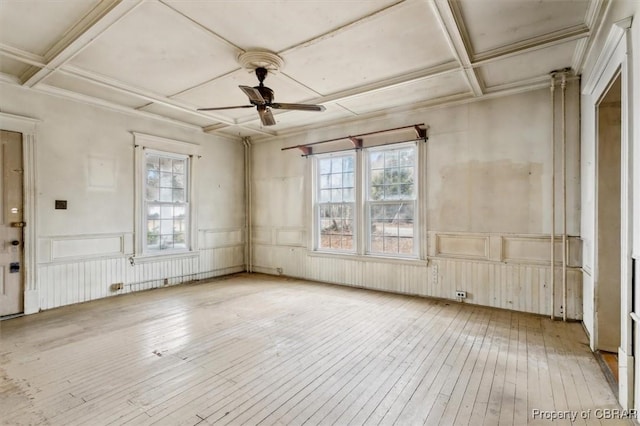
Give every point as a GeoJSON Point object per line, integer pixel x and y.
{"type": "Point", "coordinates": [144, 143]}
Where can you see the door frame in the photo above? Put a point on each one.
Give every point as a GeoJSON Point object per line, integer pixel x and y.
{"type": "Point", "coordinates": [28, 127]}
{"type": "Point", "coordinates": [615, 58]}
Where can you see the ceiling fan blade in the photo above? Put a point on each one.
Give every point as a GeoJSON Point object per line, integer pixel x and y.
{"type": "Point", "coordinates": [229, 107]}
{"type": "Point", "coordinates": [253, 94]}
{"type": "Point", "coordinates": [299, 107]}
{"type": "Point", "coordinates": [266, 116]}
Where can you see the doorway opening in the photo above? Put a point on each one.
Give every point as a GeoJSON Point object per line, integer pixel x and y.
{"type": "Point", "coordinates": [11, 225]}
{"type": "Point", "coordinates": [608, 225]}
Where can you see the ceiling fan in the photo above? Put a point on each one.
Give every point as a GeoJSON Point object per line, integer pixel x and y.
{"type": "Point", "coordinates": [262, 97]}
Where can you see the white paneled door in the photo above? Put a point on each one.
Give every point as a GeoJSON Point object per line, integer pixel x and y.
{"type": "Point", "coordinates": [11, 226]}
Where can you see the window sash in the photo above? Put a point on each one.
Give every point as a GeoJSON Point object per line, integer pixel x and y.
{"type": "Point", "coordinates": [165, 205]}
{"type": "Point", "coordinates": [391, 230]}
{"type": "Point", "coordinates": [391, 207]}
{"type": "Point", "coordinates": [335, 195]}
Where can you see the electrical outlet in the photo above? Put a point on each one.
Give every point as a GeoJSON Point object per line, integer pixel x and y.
{"type": "Point", "coordinates": [460, 294]}
{"type": "Point", "coordinates": [279, 271]}
{"type": "Point", "coordinates": [117, 286]}
{"type": "Point", "coordinates": [166, 281]}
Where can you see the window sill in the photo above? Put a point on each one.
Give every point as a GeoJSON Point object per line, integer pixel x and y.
{"type": "Point", "coordinates": [369, 258]}
{"type": "Point", "coordinates": [149, 257]}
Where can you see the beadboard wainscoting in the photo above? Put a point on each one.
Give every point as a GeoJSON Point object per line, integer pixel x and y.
{"type": "Point", "coordinates": [79, 268]}
{"type": "Point", "coordinates": [503, 271]}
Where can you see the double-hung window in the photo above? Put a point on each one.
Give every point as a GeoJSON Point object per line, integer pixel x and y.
{"type": "Point", "coordinates": [369, 209]}
{"type": "Point", "coordinates": [166, 201]}
{"type": "Point", "coordinates": [335, 207]}
{"type": "Point", "coordinates": [165, 205]}
{"type": "Point", "coordinates": [391, 200]}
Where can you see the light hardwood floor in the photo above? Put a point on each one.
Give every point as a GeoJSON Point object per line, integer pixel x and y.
{"type": "Point", "coordinates": [254, 349]}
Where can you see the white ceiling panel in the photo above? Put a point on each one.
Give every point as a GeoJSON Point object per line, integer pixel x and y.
{"type": "Point", "coordinates": [538, 63]}
{"type": "Point", "coordinates": [356, 57]}
{"type": "Point", "coordinates": [78, 85]}
{"type": "Point", "coordinates": [406, 38]}
{"type": "Point", "coordinates": [180, 115]}
{"type": "Point", "coordinates": [274, 25]}
{"type": "Point", "coordinates": [157, 49]}
{"type": "Point", "coordinates": [408, 94]}
{"type": "Point", "coordinates": [12, 67]}
{"type": "Point", "coordinates": [497, 23]}
{"type": "Point", "coordinates": [36, 25]}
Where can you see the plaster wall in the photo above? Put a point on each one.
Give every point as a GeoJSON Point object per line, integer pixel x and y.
{"type": "Point", "coordinates": [85, 155]}
{"type": "Point", "coordinates": [488, 197]}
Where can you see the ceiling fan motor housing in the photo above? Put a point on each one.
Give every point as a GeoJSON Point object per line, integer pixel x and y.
{"type": "Point", "coordinates": [267, 94]}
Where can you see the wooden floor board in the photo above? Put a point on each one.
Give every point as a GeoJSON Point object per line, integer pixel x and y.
{"type": "Point", "coordinates": [254, 349]}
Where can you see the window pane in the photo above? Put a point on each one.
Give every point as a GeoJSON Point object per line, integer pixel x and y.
{"type": "Point", "coordinates": [348, 164]}
{"type": "Point", "coordinates": [325, 195]}
{"type": "Point", "coordinates": [178, 181]}
{"type": "Point", "coordinates": [391, 192]}
{"type": "Point", "coordinates": [178, 195]}
{"type": "Point", "coordinates": [178, 166]}
{"type": "Point", "coordinates": [348, 180]}
{"type": "Point", "coordinates": [166, 227]}
{"type": "Point", "coordinates": [324, 166]}
{"type": "Point", "coordinates": [153, 212]}
{"type": "Point", "coordinates": [390, 158]}
{"type": "Point", "coordinates": [153, 162]}
{"type": "Point", "coordinates": [153, 240]}
{"type": "Point", "coordinates": [153, 225]}
{"type": "Point", "coordinates": [336, 180]}
{"type": "Point", "coordinates": [166, 194]}
{"type": "Point", "coordinates": [166, 180]}
{"type": "Point", "coordinates": [336, 165]}
{"type": "Point", "coordinates": [349, 195]}
{"type": "Point", "coordinates": [376, 160]}
{"type": "Point", "coordinates": [178, 226]}
{"type": "Point", "coordinates": [325, 181]}
{"type": "Point", "coordinates": [165, 164]}
{"type": "Point", "coordinates": [153, 193]}
{"type": "Point", "coordinates": [336, 195]}
{"type": "Point", "coordinates": [406, 157]}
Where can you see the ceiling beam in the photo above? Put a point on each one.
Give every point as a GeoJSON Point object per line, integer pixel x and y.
{"type": "Point", "coordinates": [99, 19]}
{"type": "Point", "coordinates": [22, 55]}
{"type": "Point", "coordinates": [91, 100]}
{"type": "Point", "coordinates": [455, 33]}
{"type": "Point", "coordinates": [595, 19]}
{"type": "Point", "coordinates": [555, 38]}
{"type": "Point", "coordinates": [140, 93]}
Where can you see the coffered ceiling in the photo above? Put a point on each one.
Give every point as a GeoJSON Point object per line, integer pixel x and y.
{"type": "Point", "coordinates": [358, 58]}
